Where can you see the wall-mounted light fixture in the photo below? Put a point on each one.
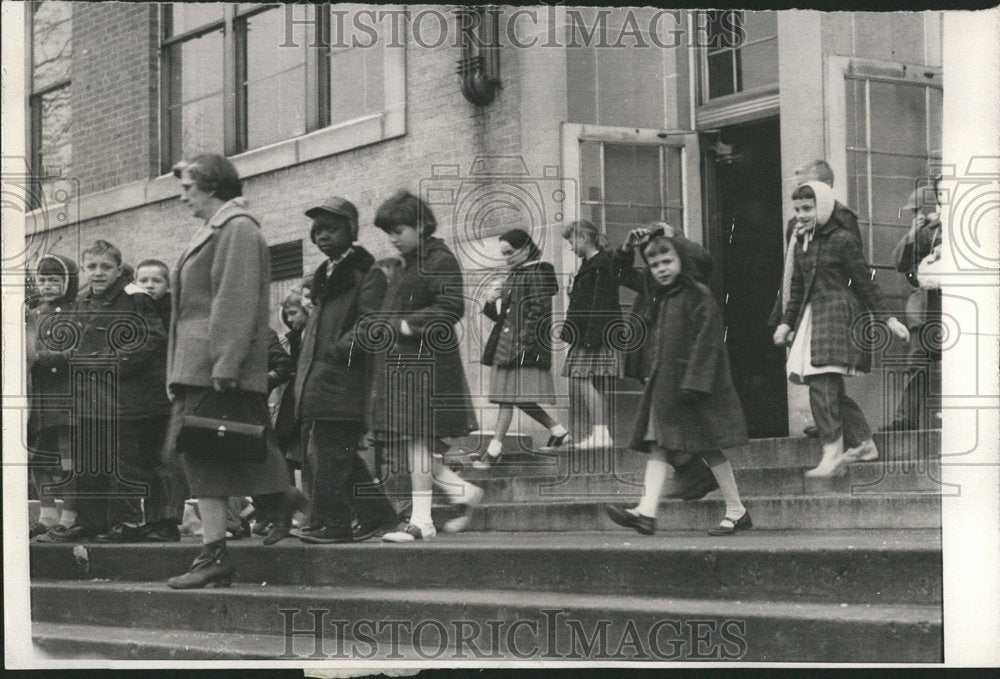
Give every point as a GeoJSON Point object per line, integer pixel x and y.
{"type": "Point", "coordinates": [479, 68]}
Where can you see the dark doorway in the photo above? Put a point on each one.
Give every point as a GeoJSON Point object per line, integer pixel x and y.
{"type": "Point", "coordinates": [743, 192]}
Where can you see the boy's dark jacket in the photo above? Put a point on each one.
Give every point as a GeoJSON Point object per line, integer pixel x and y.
{"type": "Point", "coordinates": [593, 303]}
{"type": "Point", "coordinates": [332, 375]}
{"type": "Point", "coordinates": [47, 359]}
{"type": "Point", "coordinates": [689, 354]}
{"type": "Point", "coordinates": [127, 327]}
{"type": "Point", "coordinates": [523, 324]}
{"type": "Point", "coordinates": [637, 361]}
{"type": "Point", "coordinates": [427, 292]}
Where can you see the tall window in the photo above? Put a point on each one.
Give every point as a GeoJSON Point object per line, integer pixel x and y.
{"type": "Point", "coordinates": [741, 52]}
{"type": "Point", "coordinates": [893, 140]}
{"type": "Point", "coordinates": [626, 185]}
{"type": "Point", "coordinates": [239, 76]}
{"type": "Point", "coordinates": [50, 123]}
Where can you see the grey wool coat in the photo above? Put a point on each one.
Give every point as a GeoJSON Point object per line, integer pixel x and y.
{"type": "Point", "coordinates": [832, 276]}
{"type": "Point", "coordinates": [419, 387]}
{"type": "Point", "coordinates": [689, 354]}
{"type": "Point", "coordinates": [220, 304]}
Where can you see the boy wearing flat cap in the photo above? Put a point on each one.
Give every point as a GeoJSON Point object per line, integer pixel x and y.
{"type": "Point", "coordinates": [331, 384]}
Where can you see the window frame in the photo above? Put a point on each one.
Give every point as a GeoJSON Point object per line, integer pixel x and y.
{"type": "Point", "coordinates": [839, 70]}
{"type": "Point", "coordinates": [738, 95]}
{"type": "Point", "coordinates": [34, 106]}
{"type": "Point", "coordinates": [320, 137]}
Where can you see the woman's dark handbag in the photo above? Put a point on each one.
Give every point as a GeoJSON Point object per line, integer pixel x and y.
{"type": "Point", "coordinates": [226, 426]}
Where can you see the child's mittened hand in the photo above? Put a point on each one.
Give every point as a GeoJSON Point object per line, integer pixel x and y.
{"type": "Point", "coordinates": [636, 236]}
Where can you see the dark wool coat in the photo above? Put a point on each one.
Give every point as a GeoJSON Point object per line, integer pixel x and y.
{"type": "Point", "coordinates": [419, 386]}
{"type": "Point", "coordinates": [334, 366]}
{"type": "Point", "coordinates": [221, 304]}
{"type": "Point", "coordinates": [923, 306]}
{"type": "Point", "coordinates": [524, 322]}
{"type": "Point", "coordinates": [593, 304]}
{"type": "Point", "coordinates": [842, 215]}
{"type": "Point", "coordinates": [48, 328]}
{"type": "Point", "coordinates": [832, 275]}
{"type": "Point", "coordinates": [689, 353]}
{"type": "Point", "coordinates": [127, 327]}
{"type": "Point", "coordinates": [637, 361]}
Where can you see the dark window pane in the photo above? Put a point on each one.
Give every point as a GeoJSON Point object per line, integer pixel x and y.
{"type": "Point", "coordinates": [590, 171]}
{"type": "Point", "coordinates": [898, 118]}
{"type": "Point", "coordinates": [592, 213]}
{"type": "Point", "coordinates": [621, 220]}
{"type": "Point", "coordinates": [55, 150]}
{"type": "Point", "coordinates": [759, 65]}
{"type": "Point", "coordinates": [195, 116]}
{"type": "Point", "coordinates": [632, 174]}
{"type": "Point", "coordinates": [934, 122]}
{"type": "Point", "coordinates": [721, 29]}
{"type": "Point", "coordinates": [893, 179]}
{"type": "Point", "coordinates": [886, 238]}
{"type": "Point", "coordinates": [674, 180]}
{"type": "Point", "coordinates": [720, 74]}
{"type": "Point", "coordinates": [52, 45]}
{"type": "Point", "coordinates": [854, 107]}
{"type": "Point", "coordinates": [186, 16]}
{"type": "Point", "coordinates": [275, 91]}
{"type": "Point", "coordinates": [357, 64]}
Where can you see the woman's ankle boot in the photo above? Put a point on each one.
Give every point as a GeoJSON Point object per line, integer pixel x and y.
{"type": "Point", "coordinates": [211, 567]}
{"type": "Point", "coordinates": [832, 463]}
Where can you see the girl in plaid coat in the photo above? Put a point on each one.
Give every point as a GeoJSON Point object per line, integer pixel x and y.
{"type": "Point", "coordinates": [830, 290]}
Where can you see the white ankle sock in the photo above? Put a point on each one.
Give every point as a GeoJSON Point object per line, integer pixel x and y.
{"type": "Point", "coordinates": [557, 430]}
{"type": "Point", "coordinates": [68, 518]}
{"type": "Point", "coordinates": [48, 516]}
{"type": "Point", "coordinates": [494, 448]}
{"type": "Point", "coordinates": [723, 474]}
{"type": "Point", "coordinates": [421, 514]}
{"type": "Point", "coordinates": [656, 475]}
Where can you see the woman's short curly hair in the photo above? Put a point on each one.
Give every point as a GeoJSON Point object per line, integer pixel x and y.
{"type": "Point", "coordinates": [213, 174]}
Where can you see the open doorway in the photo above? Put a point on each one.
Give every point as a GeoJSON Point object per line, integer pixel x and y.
{"type": "Point", "coordinates": [744, 220]}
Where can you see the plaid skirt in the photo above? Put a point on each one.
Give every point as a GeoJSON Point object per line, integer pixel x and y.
{"type": "Point", "coordinates": [600, 362]}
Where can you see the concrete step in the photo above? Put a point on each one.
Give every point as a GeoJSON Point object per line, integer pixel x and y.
{"type": "Point", "coordinates": [909, 448]}
{"type": "Point", "coordinates": [65, 641]}
{"type": "Point", "coordinates": [789, 512]}
{"type": "Point", "coordinates": [525, 624]}
{"type": "Point", "coordinates": [878, 566]}
{"type": "Point", "coordinates": [864, 478]}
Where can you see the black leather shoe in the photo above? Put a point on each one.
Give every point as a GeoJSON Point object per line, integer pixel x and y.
{"type": "Point", "coordinates": [326, 536]}
{"type": "Point", "coordinates": [643, 524]}
{"type": "Point", "coordinates": [122, 533]}
{"type": "Point", "coordinates": [557, 441]}
{"type": "Point", "coordinates": [728, 526]}
{"type": "Point", "coordinates": [294, 501]}
{"type": "Point", "coordinates": [162, 531]}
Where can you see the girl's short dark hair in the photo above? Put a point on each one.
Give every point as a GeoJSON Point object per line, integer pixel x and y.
{"type": "Point", "coordinates": [213, 174]}
{"type": "Point", "coordinates": [519, 238]}
{"type": "Point", "coordinates": [50, 266]}
{"type": "Point", "coordinates": [804, 192]}
{"type": "Point", "coordinates": [405, 209]}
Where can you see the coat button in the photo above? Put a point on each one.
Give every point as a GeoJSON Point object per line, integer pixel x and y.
{"type": "Point", "coordinates": [54, 370]}
{"type": "Point", "coordinates": [506, 329]}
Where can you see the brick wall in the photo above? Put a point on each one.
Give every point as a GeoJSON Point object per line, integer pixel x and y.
{"type": "Point", "coordinates": [114, 97]}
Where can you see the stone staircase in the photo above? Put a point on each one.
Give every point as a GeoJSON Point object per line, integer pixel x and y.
{"type": "Point", "coordinates": [842, 570]}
